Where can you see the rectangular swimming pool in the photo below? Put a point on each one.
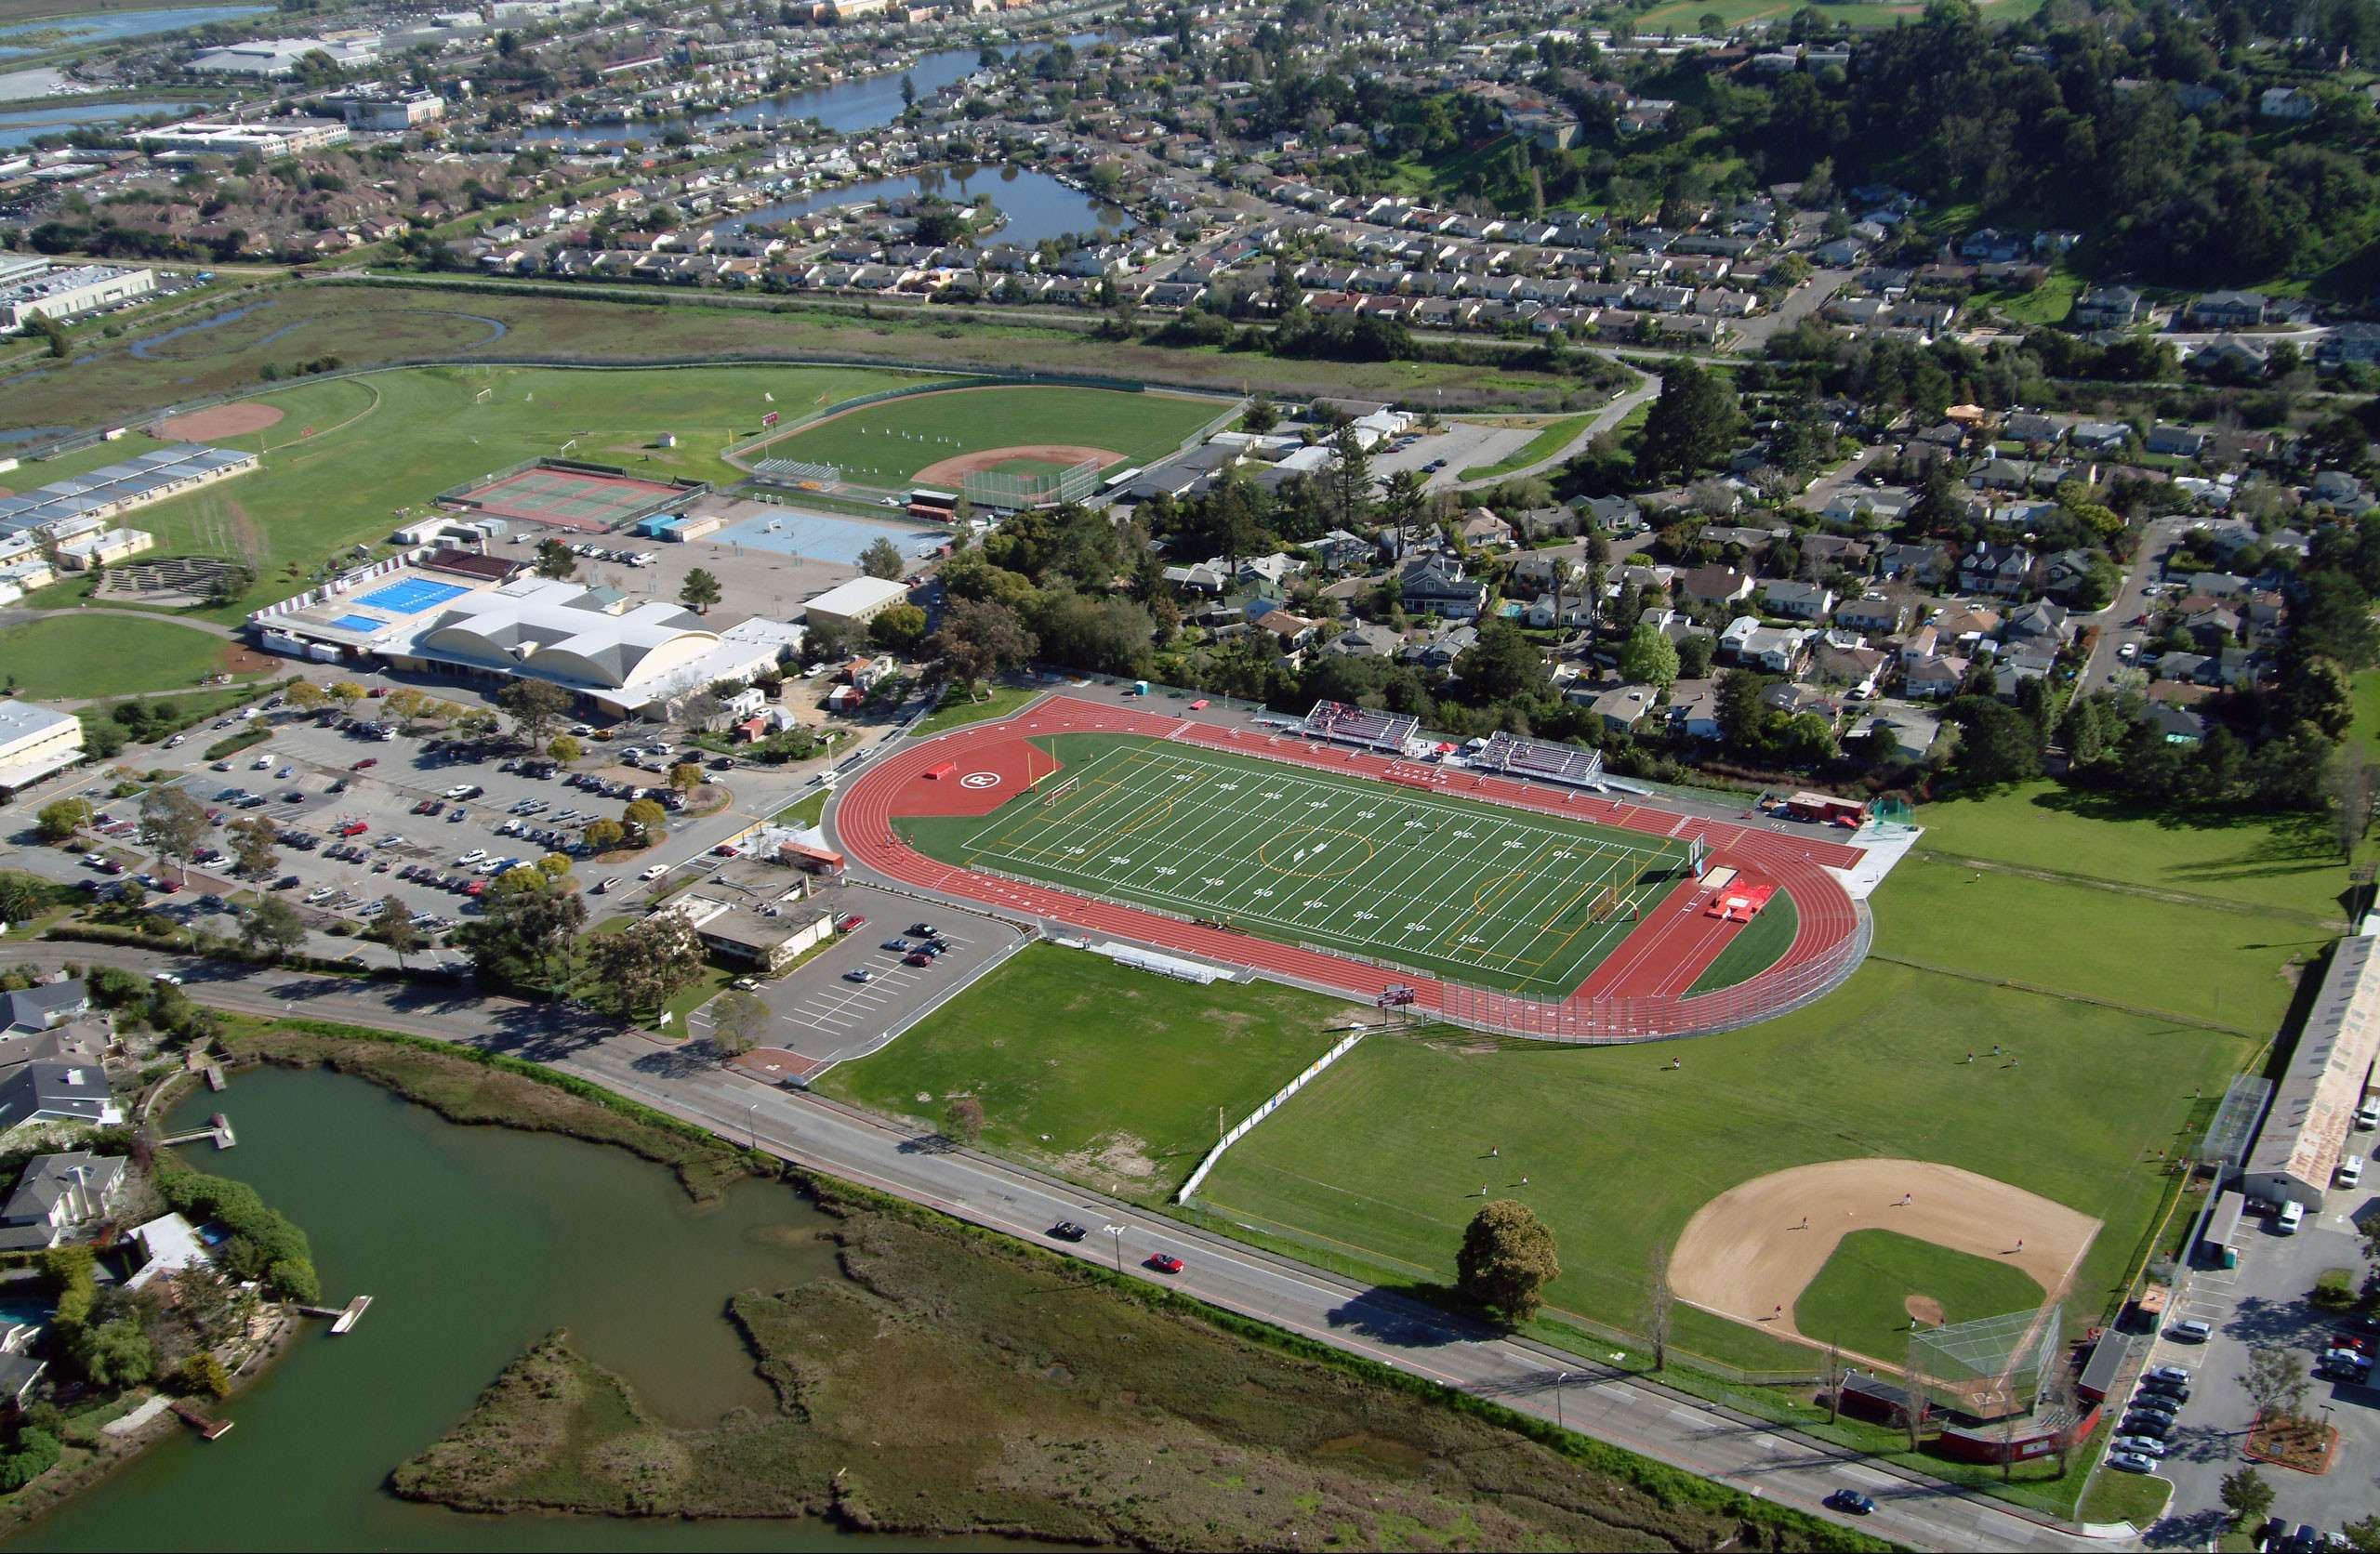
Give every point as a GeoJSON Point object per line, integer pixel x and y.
{"type": "Point", "coordinates": [412, 596]}
{"type": "Point", "coordinates": [364, 624]}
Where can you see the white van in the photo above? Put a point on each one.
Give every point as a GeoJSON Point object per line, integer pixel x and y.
{"type": "Point", "coordinates": [2293, 1214]}
{"type": "Point", "coordinates": [2368, 1115]}
{"type": "Point", "coordinates": [2351, 1170]}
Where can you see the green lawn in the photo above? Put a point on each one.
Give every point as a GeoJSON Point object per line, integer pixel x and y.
{"type": "Point", "coordinates": [1377, 1166]}
{"type": "Point", "coordinates": [805, 812]}
{"type": "Point", "coordinates": [1755, 949]}
{"type": "Point", "coordinates": [2286, 862]}
{"type": "Point", "coordinates": [65, 657]}
{"type": "Point", "coordinates": [2210, 964]}
{"type": "Point", "coordinates": [1555, 436]}
{"type": "Point", "coordinates": [1107, 1074]}
{"type": "Point", "coordinates": [888, 443]}
{"type": "Point", "coordinates": [957, 711]}
{"type": "Point", "coordinates": [1860, 1297]}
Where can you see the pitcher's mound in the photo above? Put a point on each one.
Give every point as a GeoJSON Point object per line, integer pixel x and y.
{"type": "Point", "coordinates": [1926, 1308]}
{"type": "Point", "coordinates": [222, 420]}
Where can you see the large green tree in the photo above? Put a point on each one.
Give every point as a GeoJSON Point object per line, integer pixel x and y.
{"type": "Point", "coordinates": [1694, 420]}
{"type": "Point", "coordinates": [1506, 1260]}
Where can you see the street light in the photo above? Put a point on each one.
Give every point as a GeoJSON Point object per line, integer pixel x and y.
{"type": "Point", "coordinates": [1559, 1378]}
{"type": "Point", "coordinates": [753, 1118]}
{"type": "Point", "coordinates": [1116, 1238]}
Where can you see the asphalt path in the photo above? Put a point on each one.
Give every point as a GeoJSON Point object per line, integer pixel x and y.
{"type": "Point", "coordinates": [1643, 1416]}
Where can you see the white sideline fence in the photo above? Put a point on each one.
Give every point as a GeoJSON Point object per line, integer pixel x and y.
{"type": "Point", "coordinates": [1345, 1045]}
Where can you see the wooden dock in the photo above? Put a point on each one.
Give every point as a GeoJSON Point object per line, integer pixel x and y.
{"type": "Point", "coordinates": [208, 1428]}
{"type": "Point", "coordinates": [214, 1080]}
{"type": "Point", "coordinates": [218, 1128]}
{"type": "Point", "coordinates": [342, 1318]}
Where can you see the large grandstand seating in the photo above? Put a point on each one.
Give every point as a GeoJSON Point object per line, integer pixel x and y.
{"type": "Point", "coordinates": [1360, 727]}
{"type": "Point", "coordinates": [1533, 757]}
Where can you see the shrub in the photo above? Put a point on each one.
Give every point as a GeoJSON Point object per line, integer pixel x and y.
{"type": "Point", "coordinates": [36, 1452]}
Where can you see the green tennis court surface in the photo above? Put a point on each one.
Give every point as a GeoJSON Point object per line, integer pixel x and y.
{"type": "Point", "coordinates": [1420, 880]}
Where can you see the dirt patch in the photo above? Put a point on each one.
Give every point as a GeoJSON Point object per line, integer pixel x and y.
{"type": "Point", "coordinates": [1754, 1248]}
{"type": "Point", "coordinates": [952, 471]}
{"type": "Point", "coordinates": [222, 420]}
{"type": "Point", "coordinates": [1925, 1309]}
{"type": "Point", "coordinates": [237, 660]}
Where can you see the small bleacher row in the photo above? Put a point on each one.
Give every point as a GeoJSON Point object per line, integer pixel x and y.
{"type": "Point", "coordinates": [1361, 726]}
{"type": "Point", "coordinates": [1532, 757]}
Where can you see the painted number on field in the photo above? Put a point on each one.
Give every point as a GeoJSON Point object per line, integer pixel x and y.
{"type": "Point", "coordinates": [1263, 892]}
{"type": "Point", "coordinates": [1464, 834]}
{"type": "Point", "coordinates": [1226, 787]}
{"type": "Point", "coordinates": [1217, 881]}
{"type": "Point", "coordinates": [1366, 814]}
{"type": "Point", "coordinates": [1119, 862]}
{"type": "Point", "coordinates": [1365, 917]}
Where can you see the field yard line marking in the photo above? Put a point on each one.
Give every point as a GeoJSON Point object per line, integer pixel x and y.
{"type": "Point", "coordinates": [995, 837]}
{"type": "Point", "coordinates": [1486, 861]}
{"type": "Point", "coordinates": [1488, 897]}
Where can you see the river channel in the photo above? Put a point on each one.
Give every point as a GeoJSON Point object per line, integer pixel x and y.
{"type": "Point", "coordinates": [474, 1241]}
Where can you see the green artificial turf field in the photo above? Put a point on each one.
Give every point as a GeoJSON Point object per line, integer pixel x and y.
{"type": "Point", "coordinates": [1112, 1076]}
{"type": "Point", "coordinates": [1861, 1297]}
{"type": "Point", "coordinates": [888, 443]}
{"type": "Point", "coordinates": [1485, 894]}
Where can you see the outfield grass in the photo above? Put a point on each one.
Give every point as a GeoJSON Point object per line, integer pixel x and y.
{"type": "Point", "coordinates": [1860, 1298]}
{"type": "Point", "coordinates": [1429, 881]}
{"type": "Point", "coordinates": [888, 443]}
{"type": "Point", "coordinates": [1109, 1075]}
{"type": "Point", "coordinates": [70, 657]}
{"type": "Point", "coordinates": [1550, 440]}
{"type": "Point", "coordinates": [1377, 1166]}
{"type": "Point", "coordinates": [2286, 861]}
{"type": "Point", "coordinates": [2205, 963]}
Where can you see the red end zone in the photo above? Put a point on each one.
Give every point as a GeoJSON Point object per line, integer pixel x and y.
{"type": "Point", "coordinates": [1639, 992]}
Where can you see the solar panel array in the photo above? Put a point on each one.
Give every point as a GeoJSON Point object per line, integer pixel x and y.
{"type": "Point", "coordinates": [141, 477]}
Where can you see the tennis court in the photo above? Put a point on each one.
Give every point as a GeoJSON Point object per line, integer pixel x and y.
{"type": "Point", "coordinates": [412, 596]}
{"type": "Point", "coordinates": [821, 537]}
{"type": "Point", "coordinates": [1494, 896]}
{"type": "Point", "coordinates": [571, 498]}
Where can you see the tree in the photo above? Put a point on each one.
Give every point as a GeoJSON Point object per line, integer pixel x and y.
{"type": "Point", "coordinates": [1350, 475]}
{"type": "Point", "coordinates": [979, 639]}
{"type": "Point", "coordinates": [395, 928]}
{"type": "Point", "coordinates": [2363, 1534]}
{"type": "Point", "coordinates": [963, 1120]}
{"type": "Point", "coordinates": [252, 846]}
{"type": "Point", "coordinates": [738, 1020]}
{"type": "Point", "coordinates": [882, 558]}
{"type": "Point", "coordinates": [1650, 657]}
{"type": "Point", "coordinates": [113, 1354]}
{"type": "Point", "coordinates": [700, 591]}
{"type": "Point", "coordinates": [646, 819]}
{"type": "Point", "coordinates": [306, 696]}
{"type": "Point", "coordinates": [685, 777]}
{"type": "Point", "coordinates": [21, 897]}
{"type": "Point", "coordinates": [2276, 1381]}
{"type": "Point", "coordinates": [565, 748]}
{"type": "Point", "coordinates": [644, 966]}
{"type": "Point", "coordinates": [1997, 743]}
{"type": "Point", "coordinates": [602, 835]}
{"type": "Point", "coordinates": [530, 938]}
{"type": "Point", "coordinates": [172, 823]}
{"type": "Point", "coordinates": [36, 1452]}
{"type": "Point", "coordinates": [1690, 425]}
{"type": "Point", "coordinates": [2246, 1496]}
{"type": "Point", "coordinates": [555, 560]}
{"type": "Point", "coordinates": [1500, 665]}
{"type": "Point", "coordinates": [1506, 1260]}
{"type": "Point", "coordinates": [534, 706]}
{"type": "Point", "coordinates": [203, 1376]}
{"type": "Point", "coordinates": [897, 627]}
{"type": "Point", "coordinates": [61, 818]}
{"type": "Point", "coordinates": [1659, 1301]}
{"type": "Point", "coordinates": [2350, 787]}
{"type": "Point", "coordinates": [273, 928]}
{"type": "Point", "coordinates": [1694, 655]}
{"type": "Point", "coordinates": [1261, 415]}
{"type": "Point", "coordinates": [345, 692]}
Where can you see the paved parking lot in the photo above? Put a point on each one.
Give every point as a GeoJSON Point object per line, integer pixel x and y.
{"type": "Point", "coordinates": [1460, 445]}
{"type": "Point", "coordinates": [820, 1017]}
{"type": "Point", "coordinates": [2261, 1304]}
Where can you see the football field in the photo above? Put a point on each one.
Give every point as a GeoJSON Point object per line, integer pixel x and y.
{"type": "Point", "coordinates": [1417, 879]}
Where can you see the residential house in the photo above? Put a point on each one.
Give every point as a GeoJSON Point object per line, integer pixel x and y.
{"type": "Point", "coordinates": [1924, 564]}
{"type": "Point", "coordinates": [1716, 585]}
{"type": "Point", "coordinates": [2109, 308]}
{"type": "Point", "coordinates": [43, 1005]}
{"type": "Point", "coordinates": [2040, 622]}
{"type": "Point", "coordinates": [1694, 708]}
{"type": "Point", "coordinates": [1435, 584]}
{"type": "Point", "coordinates": [1779, 650]}
{"type": "Point", "coordinates": [1935, 679]}
{"type": "Point", "coordinates": [1801, 601]}
{"type": "Point", "coordinates": [1900, 733]}
{"type": "Point", "coordinates": [58, 1194]}
{"type": "Point", "coordinates": [1989, 568]}
{"type": "Point", "coordinates": [1881, 614]}
{"type": "Point", "coordinates": [1620, 706]}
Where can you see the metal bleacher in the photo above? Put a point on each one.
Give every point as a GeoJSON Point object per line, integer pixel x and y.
{"type": "Point", "coordinates": [1532, 757]}
{"type": "Point", "coordinates": [1361, 726]}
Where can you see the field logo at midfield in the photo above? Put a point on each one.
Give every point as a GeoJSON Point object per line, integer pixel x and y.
{"type": "Point", "coordinates": [980, 779]}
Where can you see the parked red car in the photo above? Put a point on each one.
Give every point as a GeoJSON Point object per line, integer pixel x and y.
{"type": "Point", "coordinates": [365, 763]}
{"type": "Point", "coordinates": [851, 923]}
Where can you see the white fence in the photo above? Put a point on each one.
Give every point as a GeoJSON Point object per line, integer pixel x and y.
{"type": "Point", "coordinates": [1346, 1043]}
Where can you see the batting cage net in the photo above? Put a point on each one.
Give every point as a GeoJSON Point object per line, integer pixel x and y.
{"type": "Point", "coordinates": [1990, 1367]}
{"type": "Point", "coordinates": [1014, 491]}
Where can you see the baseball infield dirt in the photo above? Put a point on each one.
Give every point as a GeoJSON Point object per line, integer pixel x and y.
{"type": "Point", "coordinates": [951, 471]}
{"type": "Point", "coordinates": [1755, 1247]}
{"type": "Point", "coordinates": [222, 420]}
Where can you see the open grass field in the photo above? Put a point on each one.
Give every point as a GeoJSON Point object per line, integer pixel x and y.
{"type": "Point", "coordinates": [1378, 1165]}
{"type": "Point", "coordinates": [72, 656]}
{"type": "Point", "coordinates": [2204, 962]}
{"type": "Point", "coordinates": [888, 443]}
{"type": "Point", "coordinates": [1110, 1074]}
{"type": "Point", "coordinates": [957, 711]}
{"type": "Point", "coordinates": [1486, 895]}
{"type": "Point", "coordinates": [404, 436]}
{"type": "Point", "coordinates": [2286, 863]}
{"type": "Point", "coordinates": [1863, 1297]}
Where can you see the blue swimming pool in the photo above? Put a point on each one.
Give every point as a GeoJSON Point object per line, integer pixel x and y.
{"type": "Point", "coordinates": [359, 623]}
{"type": "Point", "coordinates": [819, 537]}
{"type": "Point", "coordinates": [412, 596]}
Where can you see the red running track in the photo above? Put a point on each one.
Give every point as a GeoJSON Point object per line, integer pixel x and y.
{"type": "Point", "coordinates": [1639, 992]}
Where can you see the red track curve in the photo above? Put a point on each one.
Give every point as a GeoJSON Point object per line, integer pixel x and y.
{"type": "Point", "coordinates": [1638, 994]}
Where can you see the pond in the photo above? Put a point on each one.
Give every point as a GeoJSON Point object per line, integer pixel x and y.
{"type": "Point", "coordinates": [113, 27]}
{"type": "Point", "coordinates": [1037, 206]}
{"type": "Point", "coordinates": [474, 1243]}
{"type": "Point", "coordinates": [22, 126]}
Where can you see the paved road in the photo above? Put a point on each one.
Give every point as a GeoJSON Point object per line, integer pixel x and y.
{"type": "Point", "coordinates": [1648, 388]}
{"type": "Point", "coordinates": [2147, 566]}
{"type": "Point", "coordinates": [1700, 1437]}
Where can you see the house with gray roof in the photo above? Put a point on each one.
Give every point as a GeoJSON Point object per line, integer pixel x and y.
{"type": "Point", "coordinates": [59, 1193]}
{"type": "Point", "coordinates": [43, 1005]}
{"type": "Point", "coordinates": [52, 1092]}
